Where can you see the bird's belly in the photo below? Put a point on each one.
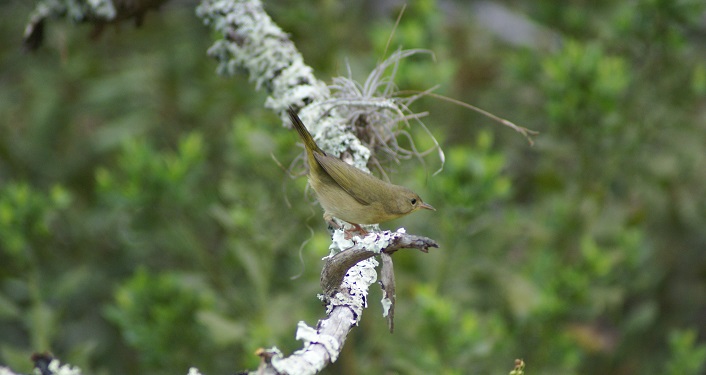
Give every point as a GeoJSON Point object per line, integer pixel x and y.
{"type": "Point", "coordinates": [338, 203]}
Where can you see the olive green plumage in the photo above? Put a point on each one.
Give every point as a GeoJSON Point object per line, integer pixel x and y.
{"type": "Point", "coordinates": [348, 193]}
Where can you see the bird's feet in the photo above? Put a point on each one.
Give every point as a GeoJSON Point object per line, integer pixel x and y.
{"type": "Point", "coordinates": [348, 232]}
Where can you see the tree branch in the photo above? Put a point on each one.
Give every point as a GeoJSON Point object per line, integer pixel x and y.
{"type": "Point", "coordinates": [337, 266]}
{"type": "Point", "coordinates": [345, 280]}
{"type": "Point", "coordinates": [97, 12]}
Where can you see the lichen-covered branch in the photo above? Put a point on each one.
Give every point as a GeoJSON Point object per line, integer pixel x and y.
{"type": "Point", "coordinates": [388, 242]}
{"type": "Point", "coordinates": [97, 12]}
{"type": "Point", "coordinates": [345, 279]}
{"type": "Point", "coordinates": [342, 287]}
{"type": "Point", "coordinates": [253, 43]}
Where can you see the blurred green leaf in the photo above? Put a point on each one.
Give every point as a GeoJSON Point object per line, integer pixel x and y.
{"type": "Point", "coordinates": [688, 357]}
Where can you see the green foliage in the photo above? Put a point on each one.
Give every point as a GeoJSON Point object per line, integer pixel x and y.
{"type": "Point", "coordinates": [422, 28]}
{"type": "Point", "coordinates": [146, 228]}
{"type": "Point", "coordinates": [146, 177]}
{"type": "Point", "coordinates": [662, 23]}
{"type": "Point", "coordinates": [26, 216]}
{"type": "Point", "coordinates": [687, 357]}
{"type": "Point", "coordinates": [473, 178]}
{"type": "Point", "coordinates": [455, 339]}
{"type": "Point", "coordinates": [581, 81]}
{"type": "Point", "coordinates": [157, 317]}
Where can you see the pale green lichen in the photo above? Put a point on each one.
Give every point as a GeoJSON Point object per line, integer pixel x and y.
{"type": "Point", "coordinates": [339, 242]}
{"type": "Point", "coordinates": [377, 241]}
{"type": "Point", "coordinates": [254, 43]}
{"type": "Point", "coordinates": [386, 304]}
{"type": "Point", "coordinates": [103, 8]}
{"type": "Point", "coordinates": [359, 277]}
{"type": "Point", "coordinates": [77, 10]}
{"type": "Point", "coordinates": [302, 361]}
{"type": "Point", "coordinates": [56, 368]}
{"type": "Point", "coordinates": [310, 335]}
{"type": "Point", "coordinates": [48, 8]}
{"type": "Point", "coordinates": [373, 241]}
{"type": "Point", "coordinates": [357, 282]}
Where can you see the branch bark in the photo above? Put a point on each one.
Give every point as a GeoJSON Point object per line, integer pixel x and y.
{"type": "Point", "coordinates": [387, 242]}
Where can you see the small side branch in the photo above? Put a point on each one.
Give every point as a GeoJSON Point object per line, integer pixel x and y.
{"type": "Point", "coordinates": [97, 12]}
{"type": "Point", "coordinates": [388, 242]}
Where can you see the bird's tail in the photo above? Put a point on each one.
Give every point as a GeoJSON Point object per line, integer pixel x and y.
{"type": "Point", "coordinates": [303, 133]}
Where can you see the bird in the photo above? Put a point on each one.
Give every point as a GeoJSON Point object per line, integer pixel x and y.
{"type": "Point", "coordinates": [350, 194]}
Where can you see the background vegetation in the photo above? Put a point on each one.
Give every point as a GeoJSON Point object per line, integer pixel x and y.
{"type": "Point", "coordinates": [145, 228]}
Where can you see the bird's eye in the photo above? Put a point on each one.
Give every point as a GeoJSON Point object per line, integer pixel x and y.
{"type": "Point", "coordinates": [414, 201]}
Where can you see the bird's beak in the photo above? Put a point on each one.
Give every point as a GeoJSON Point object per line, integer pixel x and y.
{"type": "Point", "coordinates": [427, 206]}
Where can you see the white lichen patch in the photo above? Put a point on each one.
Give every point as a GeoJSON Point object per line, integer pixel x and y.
{"type": "Point", "coordinates": [339, 242]}
{"type": "Point", "coordinates": [103, 8]}
{"type": "Point", "coordinates": [386, 304]}
{"type": "Point", "coordinates": [304, 361]}
{"type": "Point", "coordinates": [377, 241]}
{"type": "Point", "coordinates": [58, 369]}
{"type": "Point", "coordinates": [310, 335]}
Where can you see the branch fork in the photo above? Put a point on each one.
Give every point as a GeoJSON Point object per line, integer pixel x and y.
{"type": "Point", "coordinates": [358, 249]}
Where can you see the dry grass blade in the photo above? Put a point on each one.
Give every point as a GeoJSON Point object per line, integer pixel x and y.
{"type": "Point", "coordinates": [527, 133]}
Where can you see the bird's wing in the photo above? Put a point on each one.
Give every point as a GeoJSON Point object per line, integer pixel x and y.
{"type": "Point", "coordinates": [348, 177]}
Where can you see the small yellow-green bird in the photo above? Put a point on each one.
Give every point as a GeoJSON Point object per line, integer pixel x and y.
{"type": "Point", "coordinates": [348, 193]}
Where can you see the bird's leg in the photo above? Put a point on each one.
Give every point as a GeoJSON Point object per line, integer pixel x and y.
{"type": "Point", "coordinates": [328, 218]}
{"type": "Point", "coordinates": [333, 224]}
{"type": "Point", "coordinates": [359, 229]}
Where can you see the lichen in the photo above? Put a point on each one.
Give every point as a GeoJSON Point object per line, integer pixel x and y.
{"type": "Point", "coordinates": [57, 368]}
{"type": "Point", "coordinates": [386, 304]}
{"type": "Point", "coordinates": [310, 335]}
